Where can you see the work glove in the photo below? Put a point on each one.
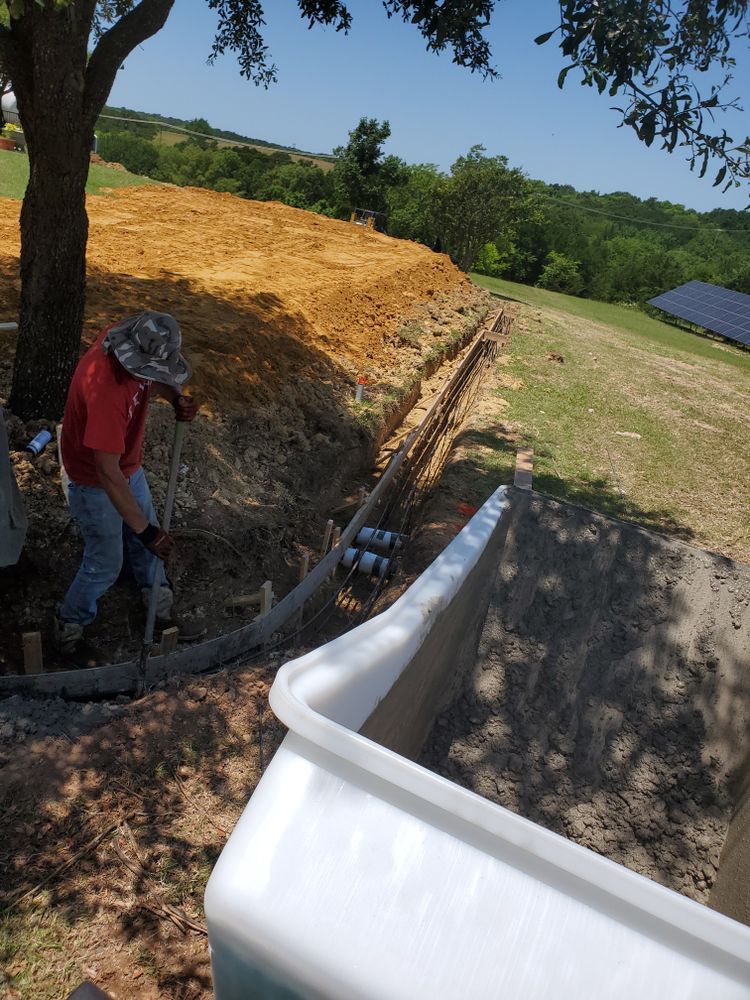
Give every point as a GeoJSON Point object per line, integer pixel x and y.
{"type": "Point", "coordinates": [156, 540]}
{"type": "Point", "coordinates": [185, 408]}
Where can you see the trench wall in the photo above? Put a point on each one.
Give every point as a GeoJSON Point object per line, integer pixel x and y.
{"type": "Point", "coordinates": [403, 719]}
{"type": "Point", "coordinates": [731, 893]}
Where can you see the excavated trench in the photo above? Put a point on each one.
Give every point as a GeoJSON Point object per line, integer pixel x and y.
{"type": "Point", "coordinates": [609, 700]}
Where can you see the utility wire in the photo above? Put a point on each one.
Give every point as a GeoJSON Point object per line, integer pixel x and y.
{"type": "Point", "coordinates": [219, 138]}
{"type": "Point", "coordinates": [642, 222]}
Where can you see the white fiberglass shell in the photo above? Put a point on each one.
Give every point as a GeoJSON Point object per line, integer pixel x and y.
{"type": "Point", "coordinates": [355, 873]}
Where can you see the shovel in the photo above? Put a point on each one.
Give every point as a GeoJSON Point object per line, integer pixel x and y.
{"type": "Point", "coordinates": [148, 636]}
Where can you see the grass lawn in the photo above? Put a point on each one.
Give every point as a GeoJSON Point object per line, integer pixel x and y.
{"type": "Point", "coordinates": [639, 419]}
{"type": "Point", "coordinates": [655, 334]}
{"type": "Point", "coordinates": [14, 173]}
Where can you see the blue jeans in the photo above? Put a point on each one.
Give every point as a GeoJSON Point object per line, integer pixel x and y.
{"type": "Point", "coordinates": [105, 539]}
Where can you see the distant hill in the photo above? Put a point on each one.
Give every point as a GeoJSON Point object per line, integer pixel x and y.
{"type": "Point", "coordinates": [112, 117]}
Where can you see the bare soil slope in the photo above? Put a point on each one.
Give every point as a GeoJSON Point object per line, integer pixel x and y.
{"type": "Point", "coordinates": [281, 311]}
{"type": "Point", "coordinates": [260, 289]}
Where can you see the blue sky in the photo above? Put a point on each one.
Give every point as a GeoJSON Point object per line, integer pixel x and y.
{"type": "Point", "coordinates": [327, 81]}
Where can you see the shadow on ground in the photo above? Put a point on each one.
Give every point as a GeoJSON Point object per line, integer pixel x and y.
{"type": "Point", "coordinates": [165, 784]}
{"type": "Point", "coordinates": [610, 695]}
{"type": "Point", "coordinates": [487, 458]}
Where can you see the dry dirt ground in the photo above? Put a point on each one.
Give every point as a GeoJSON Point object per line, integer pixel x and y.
{"type": "Point", "coordinates": [281, 311]}
{"type": "Point", "coordinates": [610, 698]}
{"type": "Point", "coordinates": [106, 853]}
{"type": "Point", "coordinates": [143, 804]}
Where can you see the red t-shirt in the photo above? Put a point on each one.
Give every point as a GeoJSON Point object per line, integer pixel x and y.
{"type": "Point", "coordinates": [106, 410]}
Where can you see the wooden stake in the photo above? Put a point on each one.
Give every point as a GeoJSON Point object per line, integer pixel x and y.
{"type": "Point", "coordinates": [304, 567]}
{"type": "Point", "coordinates": [169, 640]}
{"type": "Point", "coordinates": [524, 465]}
{"type": "Point", "coordinates": [33, 660]}
{"type": "Point", "coordinates": [326, 537]}
{"type": "Point", "coordinates": [266, 598]}
{"type": "Point", "coordinates": [334, 542]}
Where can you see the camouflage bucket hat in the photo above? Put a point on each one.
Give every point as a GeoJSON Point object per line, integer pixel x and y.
{"type": "Point", "coordinates": [148, 347]}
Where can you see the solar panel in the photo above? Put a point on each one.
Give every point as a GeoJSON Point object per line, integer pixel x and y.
{"type": "Point", "coordinates": [710, 306]}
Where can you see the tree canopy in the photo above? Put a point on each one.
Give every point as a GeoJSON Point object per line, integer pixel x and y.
{"type": "Point", "coordinates": [482, 198]}
{"type": "Point", "coordinates": [653, 53]}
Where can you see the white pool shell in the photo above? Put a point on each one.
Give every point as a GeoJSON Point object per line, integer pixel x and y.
{"type": "Point", "coordinates": [355, 873]}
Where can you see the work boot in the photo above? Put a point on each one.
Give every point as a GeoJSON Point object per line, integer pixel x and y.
{"type": "Point", "coordinates": [66, 635]}
{"type": "Point", "coordinates": [189, 630]}
{"type": "Point", "coordinates": [69, 641]}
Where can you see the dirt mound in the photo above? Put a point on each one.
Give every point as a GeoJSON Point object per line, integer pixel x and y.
{"type": "Point", "coordinates": [610, 697]}
{"type": "Point", "coordinates": [263, 292]}
{"type": "Point", "coordinates": [95, 158]}
{"type": "Point", "coordinates": [281, 311]}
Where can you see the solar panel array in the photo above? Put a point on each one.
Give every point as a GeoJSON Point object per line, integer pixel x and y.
{"type": "Point", "coordinates": [710, 306]}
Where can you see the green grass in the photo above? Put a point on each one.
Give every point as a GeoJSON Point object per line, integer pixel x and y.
{"type": "Point", "coordinates": [36, 954]}
{"type": "Point", "coordinates": [14, 174]}
{"type": "Point", "coordinates": [687, 398]}
{"type": "Point", "coordinates": [654, 334]}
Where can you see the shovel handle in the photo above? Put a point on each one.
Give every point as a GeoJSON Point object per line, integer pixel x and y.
{"type": "Point", "coordinates": [179, 436]}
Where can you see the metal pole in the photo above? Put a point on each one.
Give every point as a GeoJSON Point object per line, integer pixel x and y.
{"type": "Point", "coordinates": [148, 636]}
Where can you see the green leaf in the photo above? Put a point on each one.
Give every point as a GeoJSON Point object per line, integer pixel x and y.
{"type": "Point", "coordinates": [563, 73]}
{"type": "Point", "coordinates": [4, 14]}
{"type": "Point", "coordinates": [545, 37]}
{"type": "Point", "coordinates": [648, 128]}
{"type": "Point", "coordinates": [15, 8]}
{"type": "Point", "coordinates": [720, 176]}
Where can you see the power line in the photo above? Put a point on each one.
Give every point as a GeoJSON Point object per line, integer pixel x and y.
{"type": "Point", "coordinates": [217, 138]}
{"type": "Point", "coordinates": [643, 222]}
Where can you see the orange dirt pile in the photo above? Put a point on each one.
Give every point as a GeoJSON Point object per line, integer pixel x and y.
{"type": "Point", "coordinates": [281, 311]}
{"type": "Point", "coordinates": [262, 291]}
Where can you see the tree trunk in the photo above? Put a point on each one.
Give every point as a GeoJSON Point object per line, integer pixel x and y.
{"type": "Point", "coordinates": [54, 230]}
{"type": "Point", "coordinates": [60, 94]}
{"type": "Point", "coordinates": [54, 225]}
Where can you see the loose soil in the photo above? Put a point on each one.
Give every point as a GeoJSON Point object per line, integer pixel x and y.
{"type": "Point", "coordinates": [106, 853]}
{"type": "Point", "coordinates": [163, 781]}
{"type": "Point", "coordinates": [610, 699]}
{"type": "Point", "coordinates": [281, 311]}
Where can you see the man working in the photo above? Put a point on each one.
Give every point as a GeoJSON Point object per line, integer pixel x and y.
{"type": "Point", "coordinates": [102, 446]}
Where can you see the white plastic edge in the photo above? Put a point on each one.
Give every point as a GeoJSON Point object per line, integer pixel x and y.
{"type": "Point", "coordinates": [322, 702]}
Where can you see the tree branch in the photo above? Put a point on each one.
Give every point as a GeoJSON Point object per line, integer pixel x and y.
{"type": "Point", "coordinates": [115, 45]}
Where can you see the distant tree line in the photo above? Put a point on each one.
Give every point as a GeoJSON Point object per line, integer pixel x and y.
{"type": "Point", "coordinates": [619, 248]}
{"type": "Point", "coordinates": [489, 216]}
{"type": "Point", "coordinates": [457, 212]}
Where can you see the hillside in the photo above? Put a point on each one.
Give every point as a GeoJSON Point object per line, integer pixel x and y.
{"type": "Point", "coordinates": [169, 129]}
{"type": "Point", "coordinates": [626, 415]}
{"type": "Point", "coordinates": [14, 175]}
